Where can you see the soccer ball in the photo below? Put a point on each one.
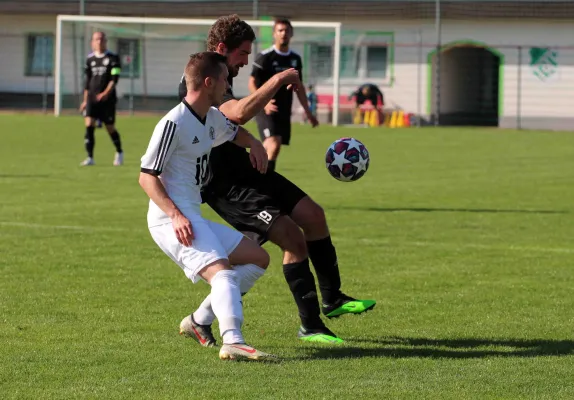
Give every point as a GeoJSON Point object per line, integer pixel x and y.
{"type": "Point", "coordinates": [347, 159]}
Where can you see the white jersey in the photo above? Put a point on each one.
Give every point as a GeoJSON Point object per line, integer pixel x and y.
{"type": "Point", "coordinates": [178, 153]}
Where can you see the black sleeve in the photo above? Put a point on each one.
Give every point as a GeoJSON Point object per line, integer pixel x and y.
{"type": "Point", "coordinates": [182, 88]}
{"type": "Point", "coordinates": [115, 68]}
{"type": "Point", "coordinates": [258, 71]}
{"type": "Point", "coordinates": [300, 67]}
{"type": "Point", "coordinates": [87, 74]}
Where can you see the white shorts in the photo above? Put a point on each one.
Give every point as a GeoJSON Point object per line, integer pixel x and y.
{"type": "Point", "coordinates": [212, 242]}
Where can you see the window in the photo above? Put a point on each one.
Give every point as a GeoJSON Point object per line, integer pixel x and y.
{"type": "Point", "coordinates": [376, 62]}
{"type": "Point", "coordinates": [40, 55]}
{"type": "Point", "coordinates": [322, 61]}
{"type": "Point", "coordinates": [358, 62]}
{"type": "Point", "coordinates": [130, 57]}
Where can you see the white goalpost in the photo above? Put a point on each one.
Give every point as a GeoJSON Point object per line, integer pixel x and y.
{"type": "Point", "coordinates": [168, 32]}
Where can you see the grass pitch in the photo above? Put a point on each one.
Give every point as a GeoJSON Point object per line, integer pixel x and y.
{"type": "Point", "coordinates": [465, 237]}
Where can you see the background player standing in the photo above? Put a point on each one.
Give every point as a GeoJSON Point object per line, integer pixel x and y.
{"type": "Point", "coordinates": [274, 122]}
{"type": "Point", "coordinates": [102, 72]}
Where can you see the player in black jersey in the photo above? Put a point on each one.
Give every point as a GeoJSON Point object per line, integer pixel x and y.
{"type": "Point", "coordinates": [269, 206]}
{"type": "Point", "coordinates": [102, 71]}
{"type": "Point", "coordinates": [274, 122]}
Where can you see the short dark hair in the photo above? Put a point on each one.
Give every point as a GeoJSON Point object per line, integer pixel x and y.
{"type": "Point", "coordinates": [231, 31]}
{"type": "Point", "coordinates": [203, 65]}
{"type": "Point", "coordinates": [282, 21]}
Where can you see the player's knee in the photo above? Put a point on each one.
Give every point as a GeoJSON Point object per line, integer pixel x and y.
{"type": "Point", "coordinates": [262, 258]}
{"type": "Point", "coordinates": [286, 234]}
{"type": "Point", "coordinates": [111, 128]}
{"type": "Point", "coordinates": [309, 215]}
{"type": "Point", "coordinates": [209, 271]}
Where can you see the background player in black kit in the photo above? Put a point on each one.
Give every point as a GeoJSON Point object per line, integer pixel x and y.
{"type": "Point", "coordinates": [269, 206]}
{"type": "Point", "coordinates": [102, 72]}
{"type": "Point", "coordinates": [274, 122]}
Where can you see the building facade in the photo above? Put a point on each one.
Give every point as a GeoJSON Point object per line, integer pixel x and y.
{"type": "Point", "coordinates": [507, 64]}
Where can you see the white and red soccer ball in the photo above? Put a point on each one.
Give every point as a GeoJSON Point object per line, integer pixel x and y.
{"type": "Point", "coordinates": [347, 159]}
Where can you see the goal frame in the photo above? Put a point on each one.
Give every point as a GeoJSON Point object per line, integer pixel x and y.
{"type": "Point", "coordinates": [335, 26]}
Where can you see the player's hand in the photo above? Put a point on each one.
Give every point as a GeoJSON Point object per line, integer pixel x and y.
{"type": "Point", "coordinates": [101, 96]}
{"type": "Point", "coordinates": [270, 107]}
{"type": "Point", "coordinates": [183, 230]}
{"type": "Point", "coordinates": [289, 77]}
{"type": "Point", "coordinates": [312, 120]}
{"type": "Point", "coordinates": [258, 156]}
{"type": "Point", "coordinates": [83, 106]}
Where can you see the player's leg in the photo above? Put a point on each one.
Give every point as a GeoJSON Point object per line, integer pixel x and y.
{"type": "Point", "coordinates": [253, 212]}
{"type": "Point", "coordinates": [310, 217]}
{"type": "Point", "coordinates": [249, 260]}
{"type": "Point", "coordinates": [90, 115]}
{"type": "Point", "coordinates": [266, 124]}
{"type": "Point", "coordinates": [206, 259]}
{"type": "Point", "coordinates": [109, 118]}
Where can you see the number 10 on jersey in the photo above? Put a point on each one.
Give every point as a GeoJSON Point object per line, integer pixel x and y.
{"type": "Point", "coordinates": [201, 170]}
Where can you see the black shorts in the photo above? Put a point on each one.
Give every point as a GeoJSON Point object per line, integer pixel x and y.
{"type": "Point", "coordinates": [253, 208]}
{"type": "Point", "coordinates": [274, 125]}
{"type": "Point", "coordinates": [105, 111]}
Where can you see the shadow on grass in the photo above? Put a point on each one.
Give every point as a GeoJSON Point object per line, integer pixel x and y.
{"type": "Point", "coordinates": [403, 347]}
{"type": "Point", "coordinates": [449, 210]}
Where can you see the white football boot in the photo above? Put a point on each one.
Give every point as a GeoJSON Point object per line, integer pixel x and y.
{"type": "Point", "coordinates": [119, 159]}
{"type": "Point", "coordinates": [244, 352]}
{"type": "Point", "coordinates": [202, 334]}
{"type": "Point", "coordinates": [87, 161]}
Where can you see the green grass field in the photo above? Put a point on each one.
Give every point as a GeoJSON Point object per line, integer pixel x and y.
{"type": "Point", "coordinates": [464, 236]}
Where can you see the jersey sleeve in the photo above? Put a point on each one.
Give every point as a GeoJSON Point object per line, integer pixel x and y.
{"type": "Point", "coordinates": [115, 68]}
{"type": "Point", "coordinates": [87, 74]}
{"type": "Point", "coordinates": [225, 130]}
{"type": "Point", "coordinates": [258, 72]}
{"type": "Point", "coordinates": [300, 67]}
{"type": "Point", "coordinates": [182, 88]}
{"type": "Point", "coordinates": [161, 146]}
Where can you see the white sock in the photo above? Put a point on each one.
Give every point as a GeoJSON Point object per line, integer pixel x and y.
{"type": "Point", "coordinates": [247, 275]}
{"type": "Point", "coordinates": [204, 314]}
{"type": "Point", "coordinates": [227, 307]}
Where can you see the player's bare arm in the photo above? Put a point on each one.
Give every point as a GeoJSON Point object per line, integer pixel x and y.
{"type": "Point", "coordinates": [302, 96]}
{"type": "Point", "coordinates": [241, 111]}
{"type": "Point", "coordinates": [155, 190]}
{"type": "Point", "coordinates": [270, 107]}
{"type": "Point", "coordinates": [106, 92]}
{"type": "Point", "coordinates": [257, 152]}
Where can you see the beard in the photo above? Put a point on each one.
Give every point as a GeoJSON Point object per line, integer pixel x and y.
{"type": "Point", "coordinates": [234, 70]}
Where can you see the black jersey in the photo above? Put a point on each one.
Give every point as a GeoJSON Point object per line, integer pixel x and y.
{"type": "Point", "coordinates": [374, 93]}
{"type": "Point", "coordinates": [268, 63]}
{"type": "Point", "coordinates": [228, 162]}
{"type": "Point", "coordinates": [99, 71]}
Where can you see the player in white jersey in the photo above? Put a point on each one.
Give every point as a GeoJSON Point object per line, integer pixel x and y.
{"type": "Point", "coordinates": [173, 170]}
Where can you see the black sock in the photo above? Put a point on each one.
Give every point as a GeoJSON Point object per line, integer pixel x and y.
{"type": "Point", "coordinates": [324, 258]}
{"type": "Point", "coordinates": [271, 166]}
{"type": "Point", "coordinates": [115, 136]}
{"type": "Point", "coordinates": [90, 141]}
{"type": "Point", "coordinates": [302, 285]}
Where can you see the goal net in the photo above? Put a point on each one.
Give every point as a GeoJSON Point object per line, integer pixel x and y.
{"type": "Point", "coordinates": [154, 51]}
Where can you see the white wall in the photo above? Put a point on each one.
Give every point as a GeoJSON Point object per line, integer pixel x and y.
{"type": "Point", "coordinates": [408, 87]}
